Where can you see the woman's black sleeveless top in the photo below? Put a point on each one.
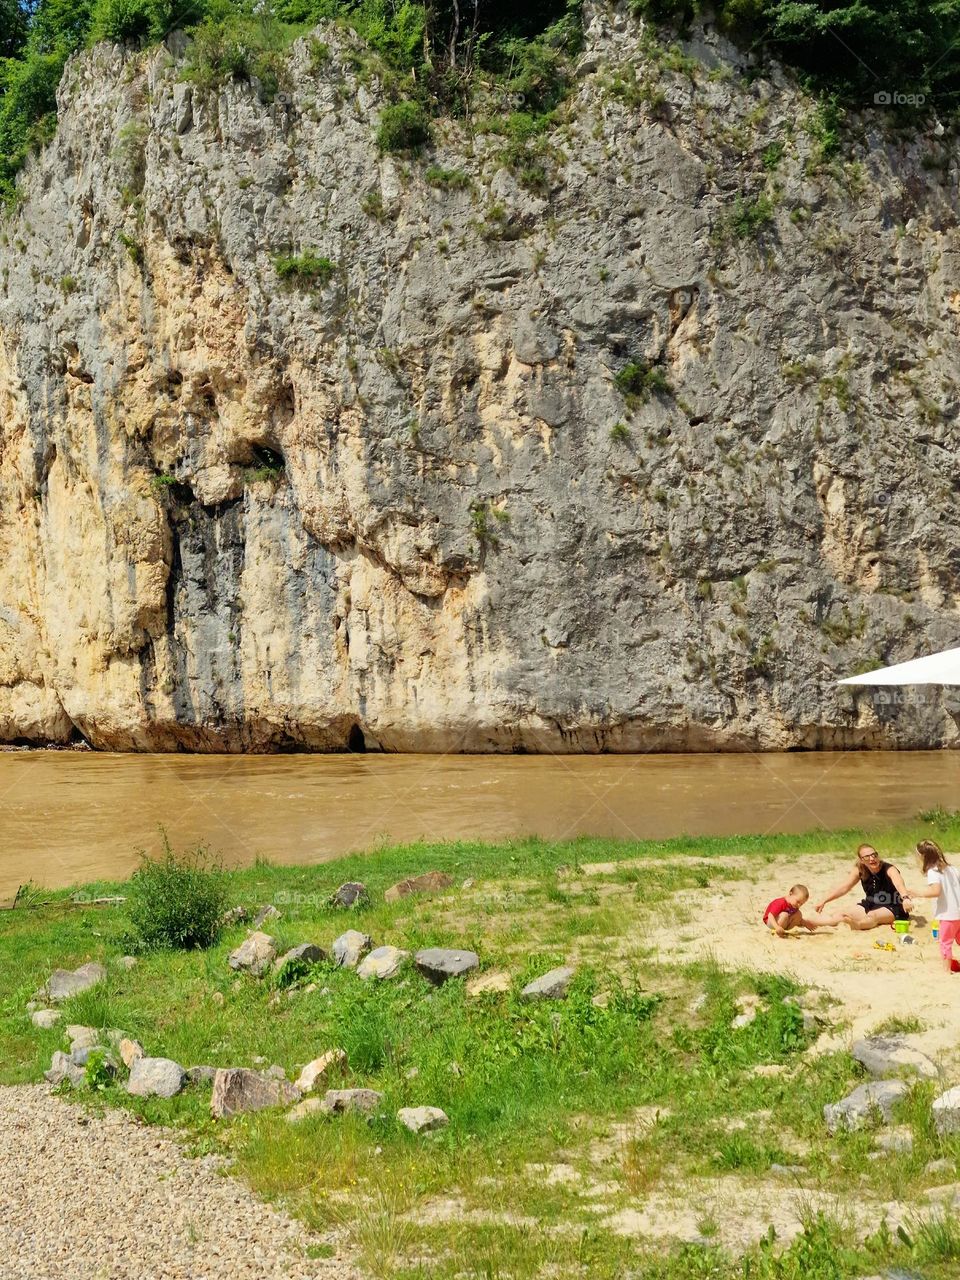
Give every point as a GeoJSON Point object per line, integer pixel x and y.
{"type": "Point", "coordinates": [879, 892]}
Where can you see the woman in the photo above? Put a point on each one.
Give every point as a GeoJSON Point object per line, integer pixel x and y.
{"type": "Point", "coordinates": [885, 896]}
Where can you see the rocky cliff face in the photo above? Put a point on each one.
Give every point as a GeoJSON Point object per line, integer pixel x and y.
{"type": "Point", "coordinates": [411, 506]}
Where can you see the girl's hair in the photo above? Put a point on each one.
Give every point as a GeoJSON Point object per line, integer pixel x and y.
{"type": "Point", "coordinates": [931, 855]}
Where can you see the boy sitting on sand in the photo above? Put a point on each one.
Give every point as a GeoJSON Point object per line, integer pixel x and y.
{"type": "Point", "coordinates": [784, 913]}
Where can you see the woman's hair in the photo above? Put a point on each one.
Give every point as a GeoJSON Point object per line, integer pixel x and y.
{"type": "Point", "coordinates": [931, 855]}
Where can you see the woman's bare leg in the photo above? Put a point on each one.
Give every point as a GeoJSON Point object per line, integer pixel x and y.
{"type": "Point", "coordinates": [857, 918]}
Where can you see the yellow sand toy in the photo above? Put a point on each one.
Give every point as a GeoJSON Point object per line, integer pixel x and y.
{"type": "Point", "coordinates": [884, 946]}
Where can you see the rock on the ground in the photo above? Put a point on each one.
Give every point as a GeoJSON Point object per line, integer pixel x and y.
{"type": "Point", "coordinates": [82, 1037]}
{"type": "Point", "coordinates": [786, 1170]}
{"type": "Point", "coordinates": [422, 1119]}
{"type": "Point", "coordinates": [336, 1101]}
{"type": "Point", "coordinates": [233, 916]}
{"type": "Point", "coordinates": [898, 1139]}
{"type": "Point", "coordinates": [63, 1068]}
{"type": "Point", "coordinates": [383, 962]}
{"type": "Point", "coordinates": [438, 964]}
{"type": "Point", "coordinates": [350, 948]}
{"type": "Point", "coordinates": [130, 1051]}
{"type": "Point", "coordinates": [946, 1111]}
{"type": "Point", "coordinates": [351, 894]}
{"type": "Point", "coordinates": [487, 983]}
{"type": "Point", "coordinates": [44, 1019]}
{"type": "Point", "coordinates": [238, 1089]}
{"type": "Point", "coordinates": [127, 963]}
{"type": "Point", "coordinates": [255, 954]}
{"type": "Point", "coordinates": [429, 882]}
{"type": "Point", "coordinates": [155, 1078]}
{"type": "Point", "coordinates": [265, 913]}
{"type": "Point", "coordinates": [550, 986]}
{"type": "Point", "coordinates": [201, 1075]}
{"type": "Point", "coordinates": [869, 1100]}
{"type": "Point", "coordinates": [64, 983]}
{"type": "Point", "coordinates": [308, 1107]}
{"type": "Point", "coordinates": [331, 1063]}
{"type": "Point", "coordinates": [298, 958]}
{"type": "Point", "coordinates": [893, 1055]}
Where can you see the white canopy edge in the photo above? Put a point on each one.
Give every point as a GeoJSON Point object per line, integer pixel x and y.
{"type": "Point", "coordinates": [937, 668]}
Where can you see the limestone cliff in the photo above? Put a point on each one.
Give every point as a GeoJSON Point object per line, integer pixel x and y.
{"type": "Point", "coordinates": [411, 505]}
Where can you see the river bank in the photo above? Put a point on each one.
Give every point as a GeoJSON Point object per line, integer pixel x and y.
{"type": "Point", "coordinates": [660, 1118]}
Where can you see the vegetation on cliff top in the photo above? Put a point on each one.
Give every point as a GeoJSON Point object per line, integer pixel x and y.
{"type": "Point", "coordinates": [871, 52]}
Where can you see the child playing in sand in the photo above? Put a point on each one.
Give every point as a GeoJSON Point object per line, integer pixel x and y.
{"type": "Point", "coordinates": [943, 883]}
{"type": "Point", "coordinates": [784, 913]}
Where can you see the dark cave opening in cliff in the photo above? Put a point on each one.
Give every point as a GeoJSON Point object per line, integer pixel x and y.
{"type": "Point", "coordinates": [355, 740]}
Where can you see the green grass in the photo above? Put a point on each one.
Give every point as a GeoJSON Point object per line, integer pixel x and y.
{"type": "Point", "coordinates": [527, 1087]}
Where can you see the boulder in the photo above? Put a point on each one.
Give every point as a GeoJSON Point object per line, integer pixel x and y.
{"type": "Point", "coordinates": [422, 1119]}
{"type": "Point", "coordinates": [130, 1051]}
{"type": "Point", "coordinates": [429, 882]}
{"type": "Point", "coordinates": [337, 1101]}
{"type": "Point", "coordinates": [384, 962]}
{"type": "Point", "coordinates": [201, 1075]}
{"type": "Point", "coordinates": [255, 954]}
{"type": "Point", "coordinates": [552, 986]}
{"type": "Point", "coordinates": [893, 1056]}
{"type": "Point", "coordinates": [155, 1078]}
{"type": "Point", "coordinates": [331, 1063]}
{"type": "Point", "coordinates": [350, 948]}
{"type": "Point", "coordinates": [946, 1111]}
{"type": "Point", "coordinates": [44, 1019]}
{"type": "Point", "coordinates": [81, 1037]}
{"type": "Point", "coordinates": [486, 983]}
{"type": "Point", "coordinates": [265, 913]}
{"type": "Point", "coordinates": [238, 1089]}
{"type": "Point", "coordinates": [351, 894]}
{"type": "Point", "coordinates": [64, 983]}
{"type": "Point", "coordinates": [869, 1101]}
{"type": "Point", "coordinates": [308, 1107]}
{"type": "Point", "coordinates": [62, 1068]}
{"type": "Point", "coordinates": [127, 963]}
{"type": "Point", "coordinates": [298, 959]}
{"type": "Point", "coordinates": [438, 964]}
{"type": "Point", "coordinates": [234, 916]}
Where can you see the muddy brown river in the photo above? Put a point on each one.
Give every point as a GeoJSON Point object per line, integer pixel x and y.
{"type": "Point", "coordinates": [67, 818]}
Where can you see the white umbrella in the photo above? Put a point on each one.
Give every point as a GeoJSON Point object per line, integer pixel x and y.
{"type": "Point", "coordinates": [938, 668]}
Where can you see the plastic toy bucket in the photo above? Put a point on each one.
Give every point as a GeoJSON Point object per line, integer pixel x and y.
{"type": "Point", "coordinates": [935, 928]}
{"type": "Point", "coordinates": [901, 926]}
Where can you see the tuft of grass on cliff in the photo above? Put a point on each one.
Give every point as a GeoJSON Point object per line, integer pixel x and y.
{"type": "Point", "coordinates": [565, 1117]}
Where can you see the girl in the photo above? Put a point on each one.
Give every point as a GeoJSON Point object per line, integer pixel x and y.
{"type": "Point", "coordinates": [884, 893]}
{"type": "Point", "coordinates": [943, 883]}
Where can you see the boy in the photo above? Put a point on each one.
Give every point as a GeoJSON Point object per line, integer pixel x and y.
{"type": "Point", "coordinates": [784, 913]}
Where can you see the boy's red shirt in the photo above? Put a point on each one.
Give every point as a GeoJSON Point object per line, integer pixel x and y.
{"type": "Point", "coordinates": [776, 906]}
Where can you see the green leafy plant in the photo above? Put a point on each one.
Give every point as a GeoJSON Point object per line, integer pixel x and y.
{"type": "Point", "coordinates": [307, 268]}
{"type": "Point", "coordinates": [484, 519]}
{"type": "Point", "coordinates": [404, 126]}
{"type": "Point", "coordinates": [638, 380]}
{"type": "Point", "coordinates": [99, 1071]}
{"type": "Point", "coordinates": [176, 899]}
{"type": "Point", "coordinates": [620, 433]}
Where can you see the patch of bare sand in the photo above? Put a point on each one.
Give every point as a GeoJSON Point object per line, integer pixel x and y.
{"type": "Point", "coordinates": [869, 985]}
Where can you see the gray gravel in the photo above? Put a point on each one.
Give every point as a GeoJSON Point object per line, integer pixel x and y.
{"type": "Point", "coordinates": [105, 1198]}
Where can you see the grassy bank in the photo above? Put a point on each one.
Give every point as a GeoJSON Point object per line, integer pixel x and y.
{"type": "Point", "coordinates": [627, 1129]}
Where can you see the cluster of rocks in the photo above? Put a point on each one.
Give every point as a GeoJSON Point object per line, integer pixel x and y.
{"type": "Point", "coordinates": [894, 1064]}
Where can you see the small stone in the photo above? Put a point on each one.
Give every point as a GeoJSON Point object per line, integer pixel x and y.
{"type": "Point", "coordinates": [422, 1119]}
{"type": "Point", "coordinates": [439, 964]}
{"type": "Point", "coordinates": [384, 962]}
{"type": "Point", "coordinates": [218, 998]}
{"type": "Point", "coordinates": [155, 1078]}
{"type": "Point", "coordinates": [127, 963]}
{"type": "Point", "coordinates": [935, 1167]}
{"type": "Point", "coordinates": [64, 983]}
{"type": "Point", "coordinates": [276, 1072]}
{"type": "Point", "coordinates": [33, 1006]}
{"type": "Point", "coordinates": [81, 1037]}
{"type": "Point", "coordinates": [699, 1002]}
{"type": "Point", "coordinates": [898, 1139]}
{"type": "Point", "coordinates": [786, 1170]}
{"type": "Point", "coordinates": [874, 1099]}
{"type": "Point", "coordinates": [455, 1069]}
{"type": "Point", "coordinates": [744, 1019]}
{"type": "Point", "coordinates": [350, 948]}
{"type": "Point", "coordinates": [337, 1101]}
{"type": "Point", "coordinates": [601, 1000]}
{"type": "Point", "coordinates": [351, 894]}
{"type": "Point", "coordinates": [769, 1069]}
{"type": "Point", "coordinates": [298, 959]}
{"type": "Point", "coordinates": [62, 1068]}
{"type": "Point", "coordinates": [201, 1075]}
{"type": "Point", "coordinates": [946, 1111]}
{"type": "Point", "coordinates": [235, 916]}
{"type": "Point", "coordinates": [946, 1195]}
{"type": "Point", "coordinates": [489, 983]}
{"type": "Point", "coordinates": [255, 954]}
{"type": "Point", "coordinates": [130, 1051]}
{"type": "Point", "coordinates": [429, 882]}
{"type": "Point", "coordinates": [239, 1089]}
{"type": "Point", "coordinates": [551, 986]}
{"type": "Point", "coordinates": [80, 1057]}
{"type": "Point", "coordinates": [45, 1018]}
{"type": "Point", "coordinates": [411, 1073]}
{"type": "Point", "coordinates": [893, 1055]}
{"type": "Point", "coordinates": [333, 1062]}
{"type": "Point", "coordinates": [468, 883]}
{"type": "Point", "coordinates": [268, 912]}
{"type": "Point", "coordinates": [308, 1107]}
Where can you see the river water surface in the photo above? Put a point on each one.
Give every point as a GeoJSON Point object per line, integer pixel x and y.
{"type": "Point", "coordinates": [69, 817]}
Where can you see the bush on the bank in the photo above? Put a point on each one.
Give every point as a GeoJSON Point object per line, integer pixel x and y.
{"type": "Point", "coordinates": [404, 126]}
{"type": "Point", "coordinates": [177, 899]}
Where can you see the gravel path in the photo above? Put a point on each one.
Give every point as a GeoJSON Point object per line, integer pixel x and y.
{"type": "Point", "coordinates": [106, 1198]}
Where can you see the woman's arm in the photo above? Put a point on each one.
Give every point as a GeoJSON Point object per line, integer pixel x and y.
{"type": "Point", "coordinates": [896, 879]}
{"type": "Point", "coordinates": [839, 891]}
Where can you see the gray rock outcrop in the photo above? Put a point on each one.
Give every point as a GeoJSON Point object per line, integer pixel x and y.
{"type": "Point", "coordinates": [423, 1119]}
{"type": "Point", "coordinates": [255, 954]}
{"type": "Point", "coordinates": [873, 1101]}
{"type": "Point", "coordinates": [893, 1055]}
{"type": "Point", "coordinates": [337, 1101]}
{"type": "Point", "coordinates": [238, 1089]}
{"type": "Point", "coordinates": [350, 948]}
{"type": "Point", "coordinates": [550, 986]}
{"type": "Point", "coordinates": [64, 983]}
{"type": "Point", "coordinates": [382, 962]}
{"type": "Point", "coordinates": [155, 1078]}
{"type": "Point", "coordinates": [439, 964]}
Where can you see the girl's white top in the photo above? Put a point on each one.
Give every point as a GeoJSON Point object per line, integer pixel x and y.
{"type": "Point", "coordinates": [948, 881]}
